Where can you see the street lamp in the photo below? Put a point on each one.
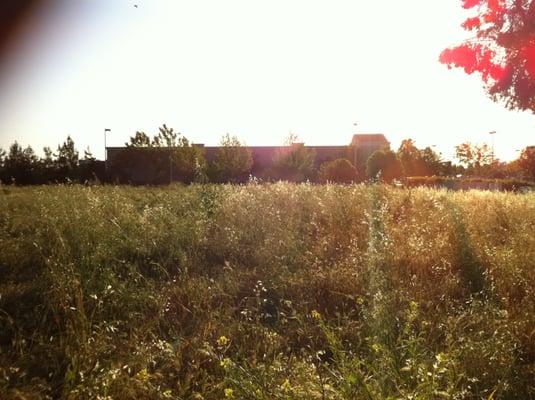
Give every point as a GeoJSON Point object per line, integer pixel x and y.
{"type": "Point", "coordinates": [492, 133]}
{"type": "Point", "coordinates": [105, 148]}
{"type": "Point", "coordinates": [355, 124]}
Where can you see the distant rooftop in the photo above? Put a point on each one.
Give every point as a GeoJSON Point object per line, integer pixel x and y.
{"type": "Point", "coordinates": [362, 138]}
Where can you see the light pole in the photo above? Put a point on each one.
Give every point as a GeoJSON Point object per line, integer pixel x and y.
{"type": "Point", "coordinates": [106, 149]}
{"type": "Point", "coordinates": [355, 124]}
{"type": "Point", "coordinates": [492, 133]}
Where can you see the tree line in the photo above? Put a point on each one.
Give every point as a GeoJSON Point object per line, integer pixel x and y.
{"type": "Point", "coordinates": [169, 156]}
{"type": "Point", "coordinates": [22, 166]}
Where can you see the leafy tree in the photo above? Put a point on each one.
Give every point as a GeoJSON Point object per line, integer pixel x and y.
{"type": "Point", "coordinates": [48, 159]}
{"type": "Point", "coordinates": [67, 160]}
{"type": "Point", "coordinates": [233, 160]}
{"type": "Point", "coordinates": [339, 171]}
{"type": "Point", "coordinates": [20, 165]}
{"type": "Point", "coordinates": [2, 157]}
{"type": "Point", "coordinates": [431, 162]}
{"type": "Point", "coordinates": [167, 157]}
{"type": "Point", "coordinates": [419, 162]}
{"type": "Point", "coordinates": [166, 137]}
{"type": "Point", "coordinates": [140, 139]}
{"type": "Point", "coordinates": [526, 162]}
{"type": "Point", "coordinates": [293, 162]}
{"type": "Point", "coordinates": [187, 162]}
{"type": "Point", "coordinates": [502, 50]}
{"type": "Point", "coordinates": [409, 156]}
{"type": "Point", "coordinates": [474, 157]}
{"type": "Point", "coordinates": [47, 166]}
{"type": "Point", "coordinates": [384, 165]}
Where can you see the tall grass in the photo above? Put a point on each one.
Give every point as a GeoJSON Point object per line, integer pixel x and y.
{"type": "Point", "coordinates": [266, 292]}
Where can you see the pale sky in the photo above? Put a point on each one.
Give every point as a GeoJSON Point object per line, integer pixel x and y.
{"type": "Point", "coordinates": [255, 69]}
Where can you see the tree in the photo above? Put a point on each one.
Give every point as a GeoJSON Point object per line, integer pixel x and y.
{"type": "Point", "coordinates": [233, 160]}
{"type": "Point", "coordinates": [474, 157]}
{"type": "Point", "coordinates": [140, 139]}
{"type": "Point", "coordinates": [67, 160]}
{"type": "Point", "coordinates": [168, 157]}
{"type": "Point", "coordinates": [409, 156]}
{"type": "Point", "coordinates": [166, 137]}
{"type": "Point", "coordinates": [338, 171]}
{"type": "Point", "coordinates": [187, 162]}
{"type": "Point", "coordinates": [502, 50]}
{"type": "Point", "coordinates": [526, 162]}
{"type": "Point", "coordinates": [47, 166]}
{"type": "Point", "coordinates": [20, 165]}
{"type": "Point", "coordinates": [293, 162]}
{"type": "Point", "coordinates": [384, 165]}
{"type": "Point", "coordinates": [419, 162]}
{"type": "Point", "coordinates": [431, 162]}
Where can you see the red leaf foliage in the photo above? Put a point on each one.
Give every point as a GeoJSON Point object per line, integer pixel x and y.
{"type": "Point", "coordinates": [471, 23]}
{"type": "Point", "coordinates": [501, 51]}
{"type": "Point", "coordinates": [474, 58]}
{"type": "Point", "coordinates": [528, 54]}
{"type": "Point", "coordinates": [495, 10]}
{"type": "Point", "coordinates": [471, 3]}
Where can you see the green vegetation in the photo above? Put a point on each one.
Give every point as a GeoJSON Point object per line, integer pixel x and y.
{"type": "Point", "coordinates": [384, 166]}
{"type": "Point", "coordinates": [168, 157]}
{"type": "Point", "coordinates": [266, 292]}
{"type": "Point", "coordinates": [509, 185]}
{"type": "Point", "coordinates": [294, 164]}
{"type": "Point", "coordinates": [233, 161]}
{"type": "Point", "coordinates": [338, 171]}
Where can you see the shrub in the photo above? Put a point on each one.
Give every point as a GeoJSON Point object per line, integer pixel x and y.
{"type": "Point", "coordinates": [338, 171]}
{"type": "Point", "coordinates": [508, 185]}
{"type": "Point", "coordinates": [233, 161]}
{"type": "Point", "coordinates": [293, 163]}
{"type": "Point", "coordinates": [384, 166]}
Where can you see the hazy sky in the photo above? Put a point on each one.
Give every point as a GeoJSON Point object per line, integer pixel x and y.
{"type": "Point", "coordinates": [256, 69]}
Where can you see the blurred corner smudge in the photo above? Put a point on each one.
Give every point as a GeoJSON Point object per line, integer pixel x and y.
{"type": "Point", "coordinates": [13, 14]}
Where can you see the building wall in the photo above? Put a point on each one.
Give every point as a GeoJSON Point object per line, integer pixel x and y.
{"type": "Point", "coordinates": [360, 148]}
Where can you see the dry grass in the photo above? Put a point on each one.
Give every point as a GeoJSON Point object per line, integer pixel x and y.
{"type": "Point", "coordinates": [266, 292]}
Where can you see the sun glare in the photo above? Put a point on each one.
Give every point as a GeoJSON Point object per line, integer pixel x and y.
{"type": "Point", "coordinates": [255, 69]}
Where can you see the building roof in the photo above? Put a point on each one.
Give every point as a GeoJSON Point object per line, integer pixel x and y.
{"type": "Point", "coordinates": [361, 138]}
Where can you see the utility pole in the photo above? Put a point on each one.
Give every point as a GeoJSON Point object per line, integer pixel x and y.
{"type": "Point", "coordinates": [492, 133]}
{"type": "Point", "coordinates": [355, 124]}
{"type": "Point", "coordinates": [106, 149]}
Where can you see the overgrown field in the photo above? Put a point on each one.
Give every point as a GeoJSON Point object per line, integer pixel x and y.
{"type": "Point", "coordinates": [266, 292]}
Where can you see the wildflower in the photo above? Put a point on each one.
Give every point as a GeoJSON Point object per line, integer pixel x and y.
{"type": "Point", "coordinates": [222, 341]}
{"type": "Point", "coordinates": [143, 375]}
{"type": "Point", "coordinates": [376, 347]}
{"type": "Point", "coordinates": [285, 386]}
{"type": "Point", "coordinates": [315, 314]}
{"type": "Point", "coordinates": [229, 393]}
{"type": "Point", "coordinates": [225, 363]}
